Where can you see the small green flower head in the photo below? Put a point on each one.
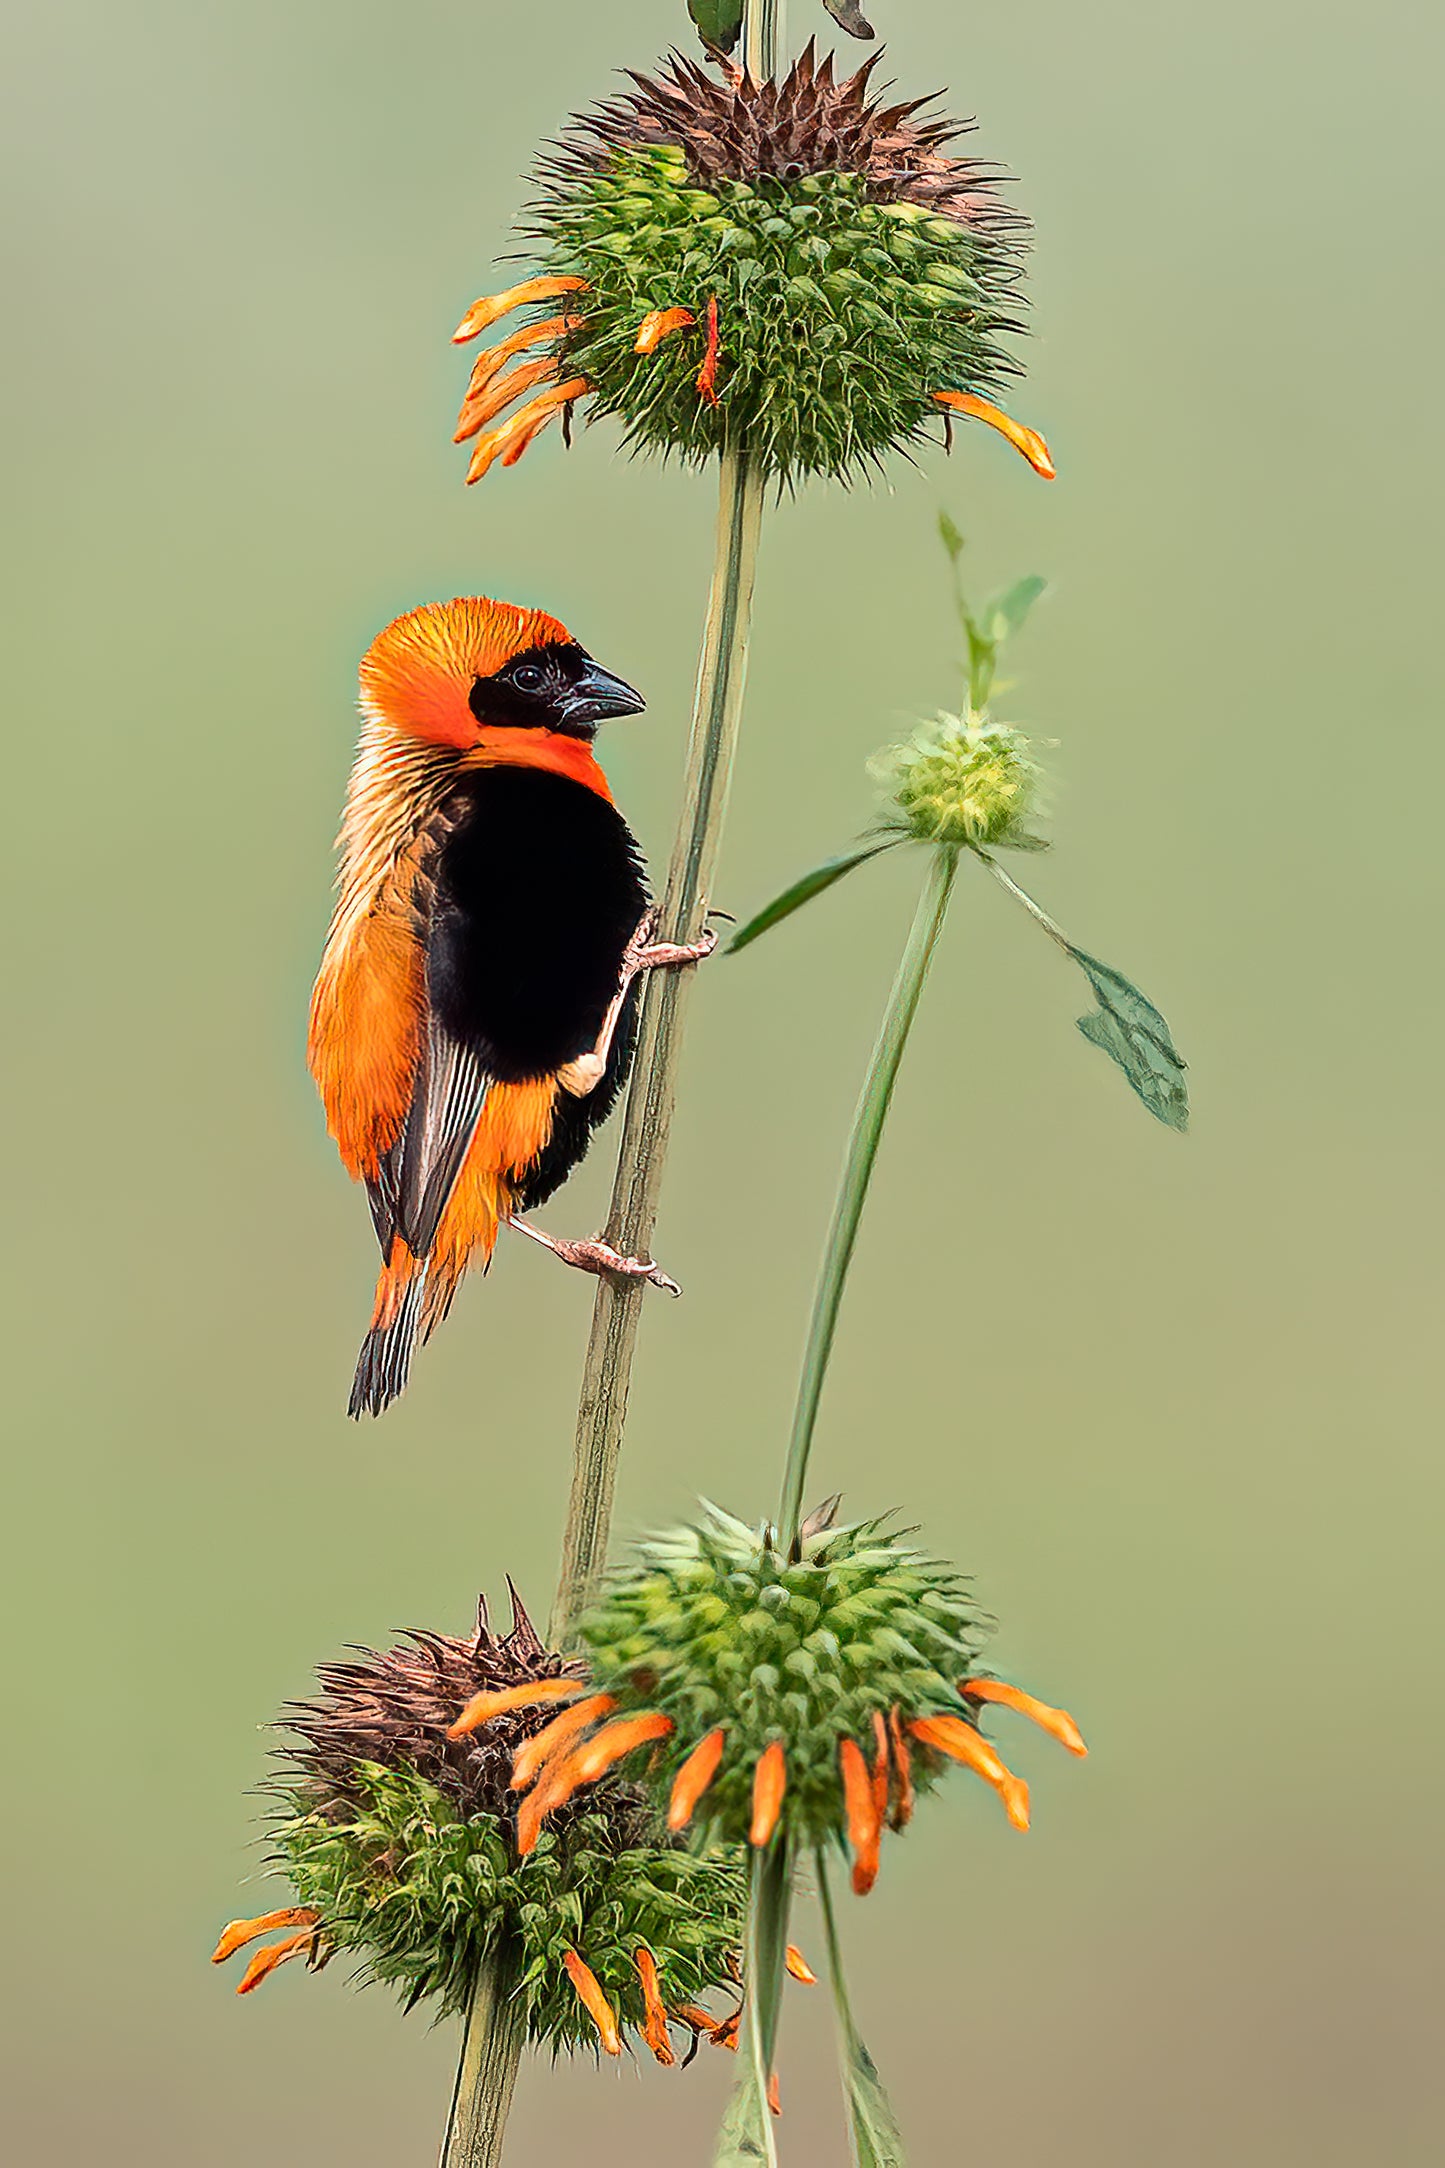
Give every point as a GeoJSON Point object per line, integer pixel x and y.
{"type": "Point", "coordinates": [397, 1830]}
{"type": "Point", "coordinates": [792, 266]}
{"type": "Point", "coordinates": [963, 780]}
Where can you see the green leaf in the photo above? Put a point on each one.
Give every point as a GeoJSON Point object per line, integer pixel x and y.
{"type": "Point", "coordinates": [803, 891]}
{"type": "Point", "coordinates": [1130, 1030]}
{"type": "Point", "coordinates": [718, 21]}
{"type": "Point", "coordinates": [877, 2140]}
{"type": "Point", "coordinates": [849, 16]}
{"type": "Point", "coordinates": [1005, 613]}
{"type": "Point", "coordinates": [744, 2140]}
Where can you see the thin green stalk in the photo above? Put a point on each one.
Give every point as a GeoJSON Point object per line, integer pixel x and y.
{"type": "Point", "coordinates": [746, 2136]}
{"type": "Point", "coordinates": [492, 2043]}
{"type": "Point", "coordinates": [834, 1947]}
{"type": "Point", "coordinates": [857, 1173]}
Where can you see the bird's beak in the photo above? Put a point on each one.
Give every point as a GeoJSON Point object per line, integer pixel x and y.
{"type": "Point", "coordinates": [595, 696]}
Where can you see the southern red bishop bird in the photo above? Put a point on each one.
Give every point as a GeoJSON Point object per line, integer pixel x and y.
{"type": "Point", "coordinates": [473, 1018]}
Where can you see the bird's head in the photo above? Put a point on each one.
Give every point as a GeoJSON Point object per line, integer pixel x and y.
{"type": "Point", "coordinates": [457, 673]}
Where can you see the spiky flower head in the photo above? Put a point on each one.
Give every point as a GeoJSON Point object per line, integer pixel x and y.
{"type": "Point", "coordinates": [963, 779]}
{"type": "Point", "coordinates": [807, 1693]}
{"type": "Point", "coordinates": [792, 266]}
{"type": "Point", "coordinates": [397, 1828]}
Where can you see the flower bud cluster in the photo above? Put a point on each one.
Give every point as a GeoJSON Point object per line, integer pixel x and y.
{"type": "Point", "coordinates": [963, 780]}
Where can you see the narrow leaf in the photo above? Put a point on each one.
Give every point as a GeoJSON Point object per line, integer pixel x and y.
{"type": "Point", "coordinates": [718, 21]}
{"type": "Point", "coordinates": [1130, 1030]}
{"type": "Point", "coordinates": [803, 891]}
{"type": "Point", "coordinates": [877, 2140]}
{"type": "Point", "coordinates": [1005, 613]}
{"type": "Point", "coordinates": [849, 16]}
{"type": "Point", "coordinates": [745, 2140]}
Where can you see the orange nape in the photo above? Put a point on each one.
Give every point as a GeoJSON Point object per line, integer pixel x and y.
{"type": "Point", "coordinates": [1028, 442]}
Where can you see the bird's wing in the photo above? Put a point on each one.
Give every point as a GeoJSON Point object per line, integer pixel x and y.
{"type": "Point", "coordinates": [448, 1094]}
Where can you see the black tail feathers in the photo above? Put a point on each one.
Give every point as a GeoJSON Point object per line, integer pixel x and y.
{"type": "Point", "coordinates": [384, 1363]}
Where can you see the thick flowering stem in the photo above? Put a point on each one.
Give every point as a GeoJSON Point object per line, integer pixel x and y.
{"type": "Point", "coordinates": [717, 709]}
{"type": "Point", "coordinates": [857, 1173]}
{"type": "Point", "coordinates": [487, 2073]}
{"type": "Point", "coordinates": [747, 2131]}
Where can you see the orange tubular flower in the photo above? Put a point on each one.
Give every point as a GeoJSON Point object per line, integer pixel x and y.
{"type": "Point", "coordinates": [799, 1967]}
{"type": "Point", "coordinates": [1027, 441]}
{"type": "Point", "coordinates": [1056, 1722]}
{"type": "Point", "coordinates": [654, 2032]}
{"type": "Point", "coordinates": [594, 2002]}
{"type": "Point", "coordinates": [554, 1736]}
{"type": "Point", "coordinates": [495, 397]}
{"type": "Point", "coordinates": [882, 1771]}
{"type": "Point", "coordinates": [903, 1762]}
{"type": "Point", "coordinates": [510, 440]}
{"type": "Point", "coordinates": [770, 1781]}
{"type": "Point", "coordinates": [264, 1963]}
{"type": "Point", "coordinates": [660, 324]}
{"type": "Point", "coordinates": [494, 358]}
{"type": "Point", "coordinates": [952, 1736]}
{"type": "Point", "coordinates": [775, 2098]}
{"type": "Point", "coordinates": [613, 1741]}
{"type": "Point", "coordinates": [707, 374]}
{"type": "Point", "coordinates": [863, 1821]}
{"type": "Point", "coordinates": [491, 307]}
{"type": "Point", "coordinates": [483, 1707]}
{"type": "Point", "coordinates": [694, 1777]}
{"type": "Point", "coordinates": [240, 1932]}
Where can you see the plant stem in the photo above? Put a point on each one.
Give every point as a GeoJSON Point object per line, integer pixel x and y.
{"type": "Point", "coordinates": [491, 2052]}
{"type": "Point", "coordinates": [857, 1173]}
{"type": "Point", "coordinates": [717, 707]}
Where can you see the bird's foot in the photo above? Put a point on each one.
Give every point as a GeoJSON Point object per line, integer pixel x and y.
{"type": "Point", "coordinates": [645, 954]}
{"type": "Point", "coordinates": [598, 1256]}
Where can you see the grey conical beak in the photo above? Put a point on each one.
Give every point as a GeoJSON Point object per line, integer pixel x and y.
{"type": "Point", "coordinates": [595, 696]}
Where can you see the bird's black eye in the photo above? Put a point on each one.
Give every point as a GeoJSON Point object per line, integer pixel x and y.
{"type": "Point", "coordinates": [528, 677]}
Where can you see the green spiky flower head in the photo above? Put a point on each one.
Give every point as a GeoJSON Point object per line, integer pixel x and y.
{"type": "Point", "coordinates": [803, 1694]}
{"type": "Point", "coordinates": [964, 780]}
{"type": "Point", "coordinates": [789, 265]}
{"type": "Point", "coordinates": [398, 1834]}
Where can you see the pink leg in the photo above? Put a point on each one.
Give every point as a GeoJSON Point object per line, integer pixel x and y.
{"type": "Point", "coordinates": [597, 1256]}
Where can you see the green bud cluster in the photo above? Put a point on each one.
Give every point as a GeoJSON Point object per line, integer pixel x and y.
{"type": "Point", "coordinates": [714, 1626]}
{"type": "Point", "coordinates": [963, 780]}
{"type": "Point", "coordinates": [839, 316]}
{"type": "Point", "coordinates": [421, 1894]}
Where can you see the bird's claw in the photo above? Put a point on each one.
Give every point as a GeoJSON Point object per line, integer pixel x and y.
{"type": "Point", "coordinates": [598, 1256]}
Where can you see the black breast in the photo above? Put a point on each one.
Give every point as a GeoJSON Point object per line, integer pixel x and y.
{"type": "Point", "coordinates": [539, 888]}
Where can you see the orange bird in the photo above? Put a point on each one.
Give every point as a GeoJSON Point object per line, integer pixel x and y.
{"type": "Point", "coordinates": [473, 1018]}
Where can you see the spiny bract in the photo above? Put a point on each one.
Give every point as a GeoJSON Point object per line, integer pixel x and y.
{"type": "Point", "coordinates": [963, 779]}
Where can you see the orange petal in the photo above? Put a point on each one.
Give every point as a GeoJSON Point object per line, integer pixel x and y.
{"type": "Point", "coordinates": [240, 1932]}
{"type": "Point", "coordinates": [707, 374]}
{"type": "Point", "coordinates": [694, 1777]}
{"type": "Point", "coordinates": [774, 2097]}
{"type": "Point", "coordinates": [726, 2034]}
{"type": "Point", "coordinates": [1056, 1722]}
{"type": "Point", "coordinates": [881, 1769]}
{"type": "Point", "coordinates": [554, 1736]}
{"type": "Point", "coordinates": [593, 2001]}
{"type": "Point", "coordinates": [264, 1963]}
{"type": "Point", "coordinates": [493, 358]}
{"type": "Point", "coordinates": [614, 1740]}
{"type": "Point", "coordinates": [1027, 441]}
{"type": "Point", "coordinates": [484, 405]}
{"type": "Point", "coordinates": [654, 2032]}
{"type": "Point", "coordinates": [799, 1967]}
{"type": "Point", "coordinates": [660, 324]}
{"type": "Point", "coordinates": [510, 438]}
{"type": "Point", "coordinates": [952, 1736]}
{"type": "Point", "coordinates": [483, 1707]}
{"type": "Point", "coordinates": [858, 1798]}
{"type": "Point", "coordinates": [903, 1763]}
{"type": "Point", "coordinates": [492, 306]}
{"type": "Point", "coordinates": [770, 1782]}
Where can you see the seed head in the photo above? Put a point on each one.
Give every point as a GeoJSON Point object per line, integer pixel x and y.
{"type": "Point", "coordinates": [964, 780]}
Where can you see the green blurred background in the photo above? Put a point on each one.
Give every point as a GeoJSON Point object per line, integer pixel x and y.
{"type": "Point", "coordinates": [1175, 1402]}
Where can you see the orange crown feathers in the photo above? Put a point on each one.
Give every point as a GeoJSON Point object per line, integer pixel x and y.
{"type": "Point", "coordinates": [416, 676]}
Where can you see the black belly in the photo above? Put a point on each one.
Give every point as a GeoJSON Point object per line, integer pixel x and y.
{"type": "Point", "coordinates": [539, 889]}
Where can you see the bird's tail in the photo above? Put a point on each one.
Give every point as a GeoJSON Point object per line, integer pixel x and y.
{"type": "Point", "coordinates": [384, 1363]}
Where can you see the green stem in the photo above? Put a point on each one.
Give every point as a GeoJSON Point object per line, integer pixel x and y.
{"type": "Point", "coordinates": [616, 1312]}
{"type": "Point", "coordinates": [834, 1947]}
{"type": "Point", "coordinates": [857, 1173]}
{"type": "Point", "coordinates": [492, 2044]}
{"type": "Point", "coordinates": [747, 2130]}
